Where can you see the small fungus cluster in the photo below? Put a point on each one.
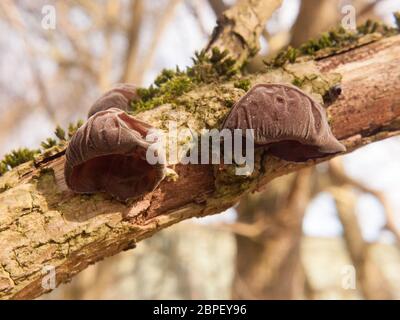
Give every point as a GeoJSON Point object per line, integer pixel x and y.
{"type": "Point", "coordinates": [108, 153]}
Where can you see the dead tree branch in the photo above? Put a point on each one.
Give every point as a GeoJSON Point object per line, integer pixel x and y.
{"type": "Point", "coordinates": [268, 266]}
{"type": "Point", "coordinates": [42, 223]}
{"type": "Point", "coordinates": [371, 279]}
{"type": "Point", "coordinates": [164, 19]}
{"type": "Point", "coordinates": [338, 175]}
{"type": "Point", "coordinates": [239, 28]}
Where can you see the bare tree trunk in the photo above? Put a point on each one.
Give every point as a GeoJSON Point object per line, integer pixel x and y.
{"type": "Point", "coordinates": [371, 280]}
{"type": "Point", "coordinates": [165, 17]}
{"type": "Point", "coordinates": [218, 6]}
{"type": "Point", "coordinates": [137, 8]}
{"type": "Point", "coordinates": [268, 265]}
{"type": "Point", "coordinates": [314, 17]}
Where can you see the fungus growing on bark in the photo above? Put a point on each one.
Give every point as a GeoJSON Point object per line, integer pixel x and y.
{"type": "Point", "coordinates": [108, 153]}
{"type": "Point", "coordinates": [118, 97]}
{"type": "Point", "coordinates": [287, 121]}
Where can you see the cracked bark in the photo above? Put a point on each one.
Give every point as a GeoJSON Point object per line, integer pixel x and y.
{"type": "Point", "coordinates": [42, 223]}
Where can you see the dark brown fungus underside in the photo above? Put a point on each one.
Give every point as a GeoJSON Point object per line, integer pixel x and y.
{"type": "Point", "coordinates": [108, 153]}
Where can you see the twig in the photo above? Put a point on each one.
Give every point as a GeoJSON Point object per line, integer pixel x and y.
{"type": "Point", "coordinates": [133, 41]}
{"type": "Point", "coordinates": [338, 174]}
{"type": "Point", "coordinates": [16, 20]}
{"type": "Point", "coordinates": [165, 18]}
{"type": "Point", "coordinates": [239, 28]}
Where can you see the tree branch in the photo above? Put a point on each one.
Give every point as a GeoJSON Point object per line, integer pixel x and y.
{"type": "Point", "coordinates": [338, 175]}
{"type": "Point", "coordinates": [370, 278]}
{"type": "Point", "coordinates": [268, 264]}
{"type": "Point", "coordinates": [313, 18]}
{"type": "Point", "coordinates": [239, 28]}
{"type": "Point", "coordinates": [133, 40]}
{"type": "Point", "coordinates": [42, 223]}
{"type": "Point", "coordinates": [164, 18]}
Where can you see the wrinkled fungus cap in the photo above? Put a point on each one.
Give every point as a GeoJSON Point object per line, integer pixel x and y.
{"type": "Point", "coordinates": [289, 122]}
{"type": "Point", "coordinates": [118, 97]}
{"type": "Point", "coordinates": [108, 153]}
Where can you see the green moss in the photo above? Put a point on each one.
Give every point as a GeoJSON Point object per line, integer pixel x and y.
{"type": "Point", "coordinates": [60, 133]}
{"type": "Point", "coordinates": [3, 168]}
{"type": "Point", "coordinates": [17, 157]}
{"type": "Point", "coordinates": [243, 84]}
{"type": "Point", "coordinates": [334, 40]}
{"type": "Point", "coordinates": [327, 40]}
{"type": "Point", "coordinates": [167, 90]}
{"type": "Point", "coordinates": [368, 27]}
{"type": "Point", "coordinates": [221, 63]}
{"type": "Point", "coordinates": [165, 76]}
{"type": "Point", "coordinates": [48, 143]}
{"type": "Point", "coordinates": [290, 54]}
{"type": "Point", "coordinates": [177, 86]}
{"type": "Point", "coordinates": [298, 82]}
{"type": "Point", "coordinates": [73, 127]}
{"type": "Point", "coordinates": [171, 84]}
{"type": "Point", "coordinates": [211, 67]}
{"type": "Point", "coordinates": [229, 103]}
